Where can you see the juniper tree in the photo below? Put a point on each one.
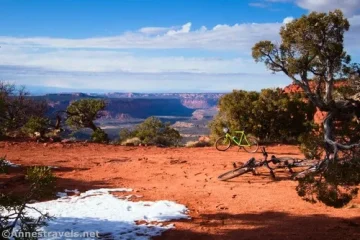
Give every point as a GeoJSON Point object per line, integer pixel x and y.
{"type": "Point", "coordinates": [311, 53]}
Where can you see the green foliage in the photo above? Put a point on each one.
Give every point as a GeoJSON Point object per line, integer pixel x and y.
{"type": "Point", "coordinates": [3, 165]}
{"type": "Point", "coordinates": [126, 133]}
{"type": "Point", "coordinates": [314, 45]}
{"type": "Point", "coordinates": [42, 181]}
{"type": "Point", "coordinates": [36, 124]}
{"type": "Point", "coordinates": [153, 132]}
{"type": "Point", "coordinates": [16, 108]}
{"type": "Point", "coordinates": [83, 113]}
{"type": "Point", "coordinates": [312, 143]}
{"type": "Point", "coordinates": [336, 187]}
{"type": "Point", "coordinates": [13, 207]}
{"type": "Point", "coordinates": [271, 115]}
{"type": "Point", "coordinates": [99, 136]}
{"type": "Point", "coordinates": [319, 51]}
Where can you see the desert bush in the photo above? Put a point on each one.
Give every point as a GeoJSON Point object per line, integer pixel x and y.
{"type": "Point", "coordinates": [126, 134]}
{"type": "Point", "coordinates": [3, 165]}
{"type": "Point", "coordinates": [83, 113]}
{"type": "Point", "coordinates": [99, 136]}
{"type": "Point", "coordinates": [312, 143]}
{"type": "Point", "coordinates": [333, 187]}
{"type": "Point", "coordinates": [319, 54]}
{"type": "Point", "coordinates": [16, 108]}
{"type": "Point", "coordinates": [36, 125]}
{"type": "Point", "coordinates": [13, 207]}
{"type": "Point", "coordinates": [153, 132]}
{"type": "Point", "coordinates": [271, 115]}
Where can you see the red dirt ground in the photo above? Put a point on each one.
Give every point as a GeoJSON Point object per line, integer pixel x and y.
{"type": "Point", "coordinates": [248, 207]}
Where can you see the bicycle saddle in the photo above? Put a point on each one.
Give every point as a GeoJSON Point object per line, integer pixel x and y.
{"type": "Point", "coordinates": [250, 162]}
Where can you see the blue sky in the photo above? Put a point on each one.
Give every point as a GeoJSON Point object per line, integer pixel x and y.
{"type": "Point", "coordinates": [149, 45]}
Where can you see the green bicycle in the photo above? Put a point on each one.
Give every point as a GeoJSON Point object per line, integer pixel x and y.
{"type": "Point", "coordinates": [250, 144]}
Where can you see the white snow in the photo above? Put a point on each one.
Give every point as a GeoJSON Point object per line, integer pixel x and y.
{"type": "Point", "coordinates": [10, 164]}
{"type": "Point", "coordinates": [53, 167]}
{"type": "Point", "coordinates": [98, 210]}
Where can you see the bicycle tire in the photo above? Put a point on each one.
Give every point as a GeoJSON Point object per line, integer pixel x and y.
{"type": "Point", "coordinates": [217, 144]}
{"type": "Point", "coordinates": [234, 173]}
{"type": "Point", "coordinates": [253, 143]}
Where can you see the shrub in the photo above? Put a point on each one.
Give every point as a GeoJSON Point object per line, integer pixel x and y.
{"type": "Point", "coordinates": [13, 207]}
{"type": "Point", "coordinates": [336, 187]}
{"type": "Point", "coordinates": [83, 113]}
{"type": "Point", "coordinates": [36, 125]}
{"type": "Point", "coordinates": [99, 136]}
{"type": "Point", "coordinates": [153, 132]}
{"type": "Point", "coordinates": [271, 115]}
{"type": "Point", "coordinates": [312, 144]}
{"type": "Point", "coordinates": [3, 165]}
{"type": "Point", "coordinates": [16, 108]}
{"type": "Point", "coordinates": [126, 134]}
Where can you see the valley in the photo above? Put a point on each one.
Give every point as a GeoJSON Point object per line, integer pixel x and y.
{"type": "Point", "coordinates": [189, 113]}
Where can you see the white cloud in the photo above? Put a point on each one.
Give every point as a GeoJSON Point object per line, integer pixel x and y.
{"type": "Point", "coordinates": [279, 1]}
{"type": "Point", "coordinates": [258, 4]}
{"type": "Point", "coordinates": [107, 62]}
{"type": "Point", "coordinates": [184, 29]}
{"type": "Point", "coordinates": [221, 37]}
{"type": "Point", "coordinates": [153, 30]}
{"type": "Point", "coordinates": [288, 20]}
{"type": "Point", "coordinates": [115, 61]}
{"type": "Point", "coordinates": [349, 7]}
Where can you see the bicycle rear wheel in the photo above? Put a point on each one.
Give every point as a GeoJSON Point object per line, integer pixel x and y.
{"type": "Point", "coordinates": [234, 173]}
{"type": "Point", "coordinates": [223, 143]}
{"type": "Point", "coordinates": [253, 145]}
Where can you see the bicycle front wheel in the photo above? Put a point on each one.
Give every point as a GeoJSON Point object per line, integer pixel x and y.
{"type": "Point", "coordinates": [234, 173]}
{"type": "Point", "coordinates": [223, 143]}
{"type": "Point", "coordinates": [253, 145]}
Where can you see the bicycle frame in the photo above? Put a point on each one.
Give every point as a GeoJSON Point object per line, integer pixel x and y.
{"type": "Point", "coordinates": [242, 138]}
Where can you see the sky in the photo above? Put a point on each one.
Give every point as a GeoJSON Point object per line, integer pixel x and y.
{"type": "Point", "coordinates": [149, 45]}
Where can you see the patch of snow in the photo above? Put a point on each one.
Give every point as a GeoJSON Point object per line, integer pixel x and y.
{"type": "Point", "coordinates": [10, 164]}
{"type": "Point", "coordinates": [72, 191]}
{"type": "Point", "coordinates": [53, 167]}
{"type": "Point", "coordinates": [99, 211]}
{"type": "Point", "coordinates": [61, 194]}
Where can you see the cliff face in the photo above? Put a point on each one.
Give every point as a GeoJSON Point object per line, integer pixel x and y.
{"type": "Point", "coordinates": [319, 115]}
{"type": "Point", "coordinates": [126, 106]}
{"type": "Point", "coordinates": [123, 109]}
{"type": "Point", "coordinates": [199, 103]}
{"type": "Point", "coordinates": [189, 100]}
{"type": "Point", "coordinates": [143, 108]}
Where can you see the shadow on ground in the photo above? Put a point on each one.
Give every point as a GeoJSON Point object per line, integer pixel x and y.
{"type": "Point", "coordinates": [267, 225]}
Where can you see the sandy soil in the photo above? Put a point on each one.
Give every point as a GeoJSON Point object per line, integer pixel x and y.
{"type": "Point", "coordinates": [248, 207]}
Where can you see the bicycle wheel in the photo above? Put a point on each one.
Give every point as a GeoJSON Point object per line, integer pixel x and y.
{"type": "Point", "coordinates": [234, 173]}
{"type": "Point", "coordinates": [254, 145]}
{"type": "Point", "coordinates": [223, 143]}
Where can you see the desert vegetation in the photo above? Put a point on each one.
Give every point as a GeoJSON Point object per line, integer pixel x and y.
{"type": "Point", "coordinates": [18, 112]}
{"type": "Point", "coordinates": [271, 115]}
{"type": "Point", "coordinates": [83, 113]}
{"type": "Point", "coordinates": [312, 49]}
{"type": "Point", "coordinates": [14, 220]}
{"type": "Point", "coordinates": [151, 132]}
